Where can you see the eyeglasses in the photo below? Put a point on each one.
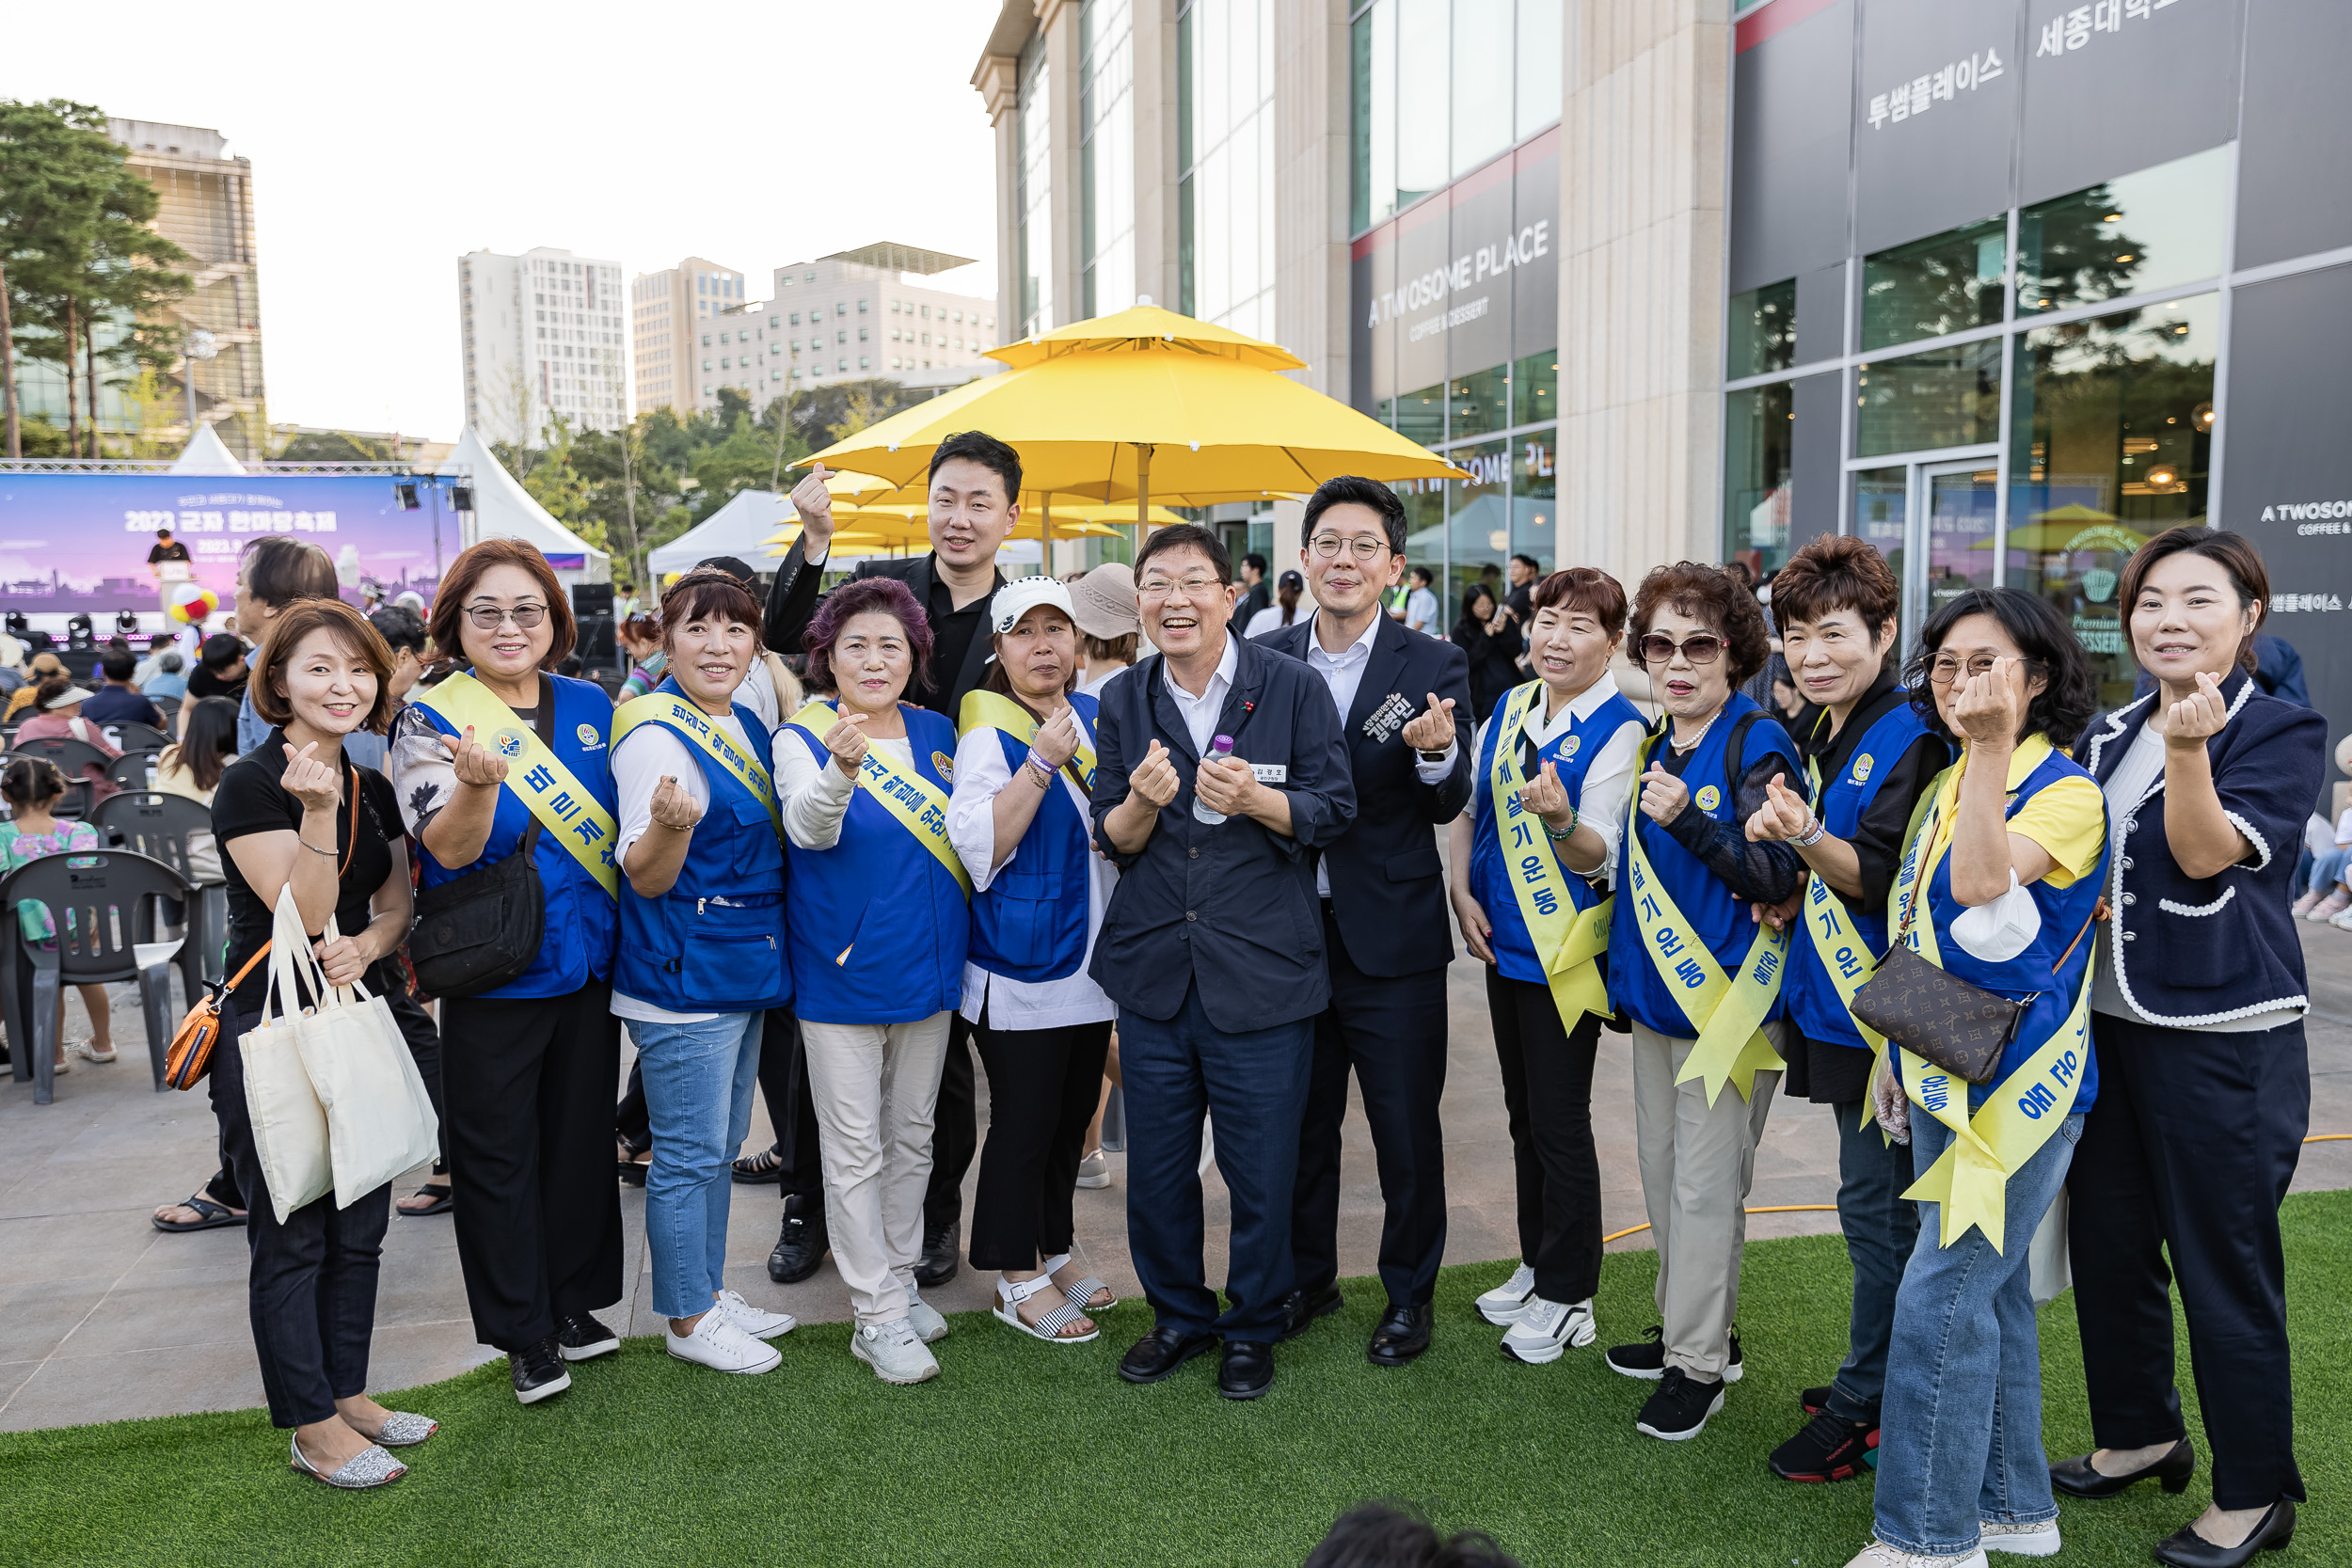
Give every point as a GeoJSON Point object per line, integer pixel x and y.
{"type": "Point", "coordinates": [1363, 546]}
{"type": "Point", "coordinates": [1945, 669]}
{"type": "Point", "coordinates": [487, 617]}
{"type": "Point", "coordinates": [1657, 648]}
{"type": "Point", "coordinates": [1191, 588]}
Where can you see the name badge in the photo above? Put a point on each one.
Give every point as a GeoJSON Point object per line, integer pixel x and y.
{"type": "Point", "coordinates": [1270, 772]}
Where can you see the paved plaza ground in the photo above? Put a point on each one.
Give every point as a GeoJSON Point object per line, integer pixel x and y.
{"type": "Point", "coordinates": [103, 1318]}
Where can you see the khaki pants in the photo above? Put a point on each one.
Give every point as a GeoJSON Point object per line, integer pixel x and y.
{"type": "Point", "coordinates": [875, 1086]}
{"type": "Point", "coordinates": [1698, 1161]}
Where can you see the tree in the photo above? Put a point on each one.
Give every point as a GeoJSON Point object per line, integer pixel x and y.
{"type": "Point", "coordinates": [333, 446]}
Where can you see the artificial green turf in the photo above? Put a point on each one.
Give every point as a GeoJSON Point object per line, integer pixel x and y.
{"type": "Point", "coordinates": [1022, 1454]}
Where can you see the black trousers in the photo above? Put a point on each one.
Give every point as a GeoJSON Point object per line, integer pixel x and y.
{"type": "Point", "coordinates": [1547, 1099]}
{"type": "Point", "coordinates": [1042, 1086]}
{"type": "Point", "coordinates": [529, 1085]}
{"type": "Point", "coordinates": [1391, 1031]}
{"type": "Point", "coordinates": [311, 1285]}
{"type": "Point", "coordinates": [791, 1107]}
{"type": "Point", "coordinates": [955, 1134]}
{"type": "Point", "coordinates": [2189, 1150]}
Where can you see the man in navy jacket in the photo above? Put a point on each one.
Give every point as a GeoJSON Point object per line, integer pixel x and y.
{"type": "Point", "coordinates": [1383, 914]}
{"type": "Point", "coordinates": [1212, 947]}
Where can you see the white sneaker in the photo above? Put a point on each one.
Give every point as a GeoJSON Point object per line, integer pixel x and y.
{"type": "Point", "coordinates": [2041, 1540]}
{"type": "Point", "coordinates": [928, 1325]}
{"type": "Point", "coordinates": [755, 1321]}
{"type": "Point", "coordinates": [1503, 1305]}
{"type": "Point", "coordinates": [2332, 905]}
{"type": "Point", "coordinates": [2341, 920]}
{"type": "Point", "coordinates": [894, 1352]}
{"type": "Point", "coordinates": [1548, 1327]}
{"type": "Point", "coordinates": [1878, 1554]}
{"type": "Point", "coordinates": [717, 1344]}
{"type": "Point", "coordinates": [1094, 1171]}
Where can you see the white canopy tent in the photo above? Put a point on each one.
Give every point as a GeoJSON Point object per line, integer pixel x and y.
{"type": "Point", "coordinates": [502, 509]}
{"type": "Point", "coordinates": [740, 528]}
{"type": "Point", "coordinates": [206, 454]}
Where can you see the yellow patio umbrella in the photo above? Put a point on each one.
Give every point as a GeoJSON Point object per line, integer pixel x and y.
{"type": "Point", "coordinates": [1107, 412]}
{"type": "Point", "coordinates": [2064, 529]}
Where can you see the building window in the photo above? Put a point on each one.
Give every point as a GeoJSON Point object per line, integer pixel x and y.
{"type": "Point", "coordinates": [1107, 159]}
{"type": "Point", "coordinates": [1225, 153]}
{"type": "Point", "coordinates": [1436, 92]}
{"type": "Point", "coordinates": [2149, 230]}
{"type": "Point", "coordinates": [1032, 194]}
{"type": "Point", "coordinates": [1762, 331]}
{"type": "Point", "coordinates": [1758, 428]}
{"type": "Point", "coordinates": [1947, 283]}
{"type": "Point", "coordinates": [1943, 397]}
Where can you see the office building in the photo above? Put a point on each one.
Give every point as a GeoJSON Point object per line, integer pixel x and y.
{"type": "Point", "coordinates": [665, 309]}
{"type": "Point", "coordinates": [545, 340]}
{"type": "Point", "coordinates": [853, 315]}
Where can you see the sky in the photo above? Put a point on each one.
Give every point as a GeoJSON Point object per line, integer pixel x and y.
{"type": "Point", "coordinates": [386, 142]}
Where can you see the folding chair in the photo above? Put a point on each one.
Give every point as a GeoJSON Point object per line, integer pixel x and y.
{"type": "Point", "coordinates": [104, 908]}
{"type": "Point", "coordinates": [72, 756]}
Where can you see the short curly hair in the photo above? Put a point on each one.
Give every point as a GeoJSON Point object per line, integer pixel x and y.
{"type": "Point", "coordinates": [1834, 572]}
{"type": "Point", "coordinates": [1582, 588]}
{"type": "Point", "coordinates": [1712, 595]}
{"type": "Point", "coordinates": [857, 597]}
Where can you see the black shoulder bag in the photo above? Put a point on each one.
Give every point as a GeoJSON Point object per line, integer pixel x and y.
{"type": "Point", "coordinates": [482, 929]}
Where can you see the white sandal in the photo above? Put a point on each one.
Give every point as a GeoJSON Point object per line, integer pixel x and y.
{"type": "Point", "coordinates": [1082, 1294]}
{"type": "Point", "coordinates": [1010, 1294]}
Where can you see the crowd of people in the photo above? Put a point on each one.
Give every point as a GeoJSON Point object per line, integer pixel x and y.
{"type": "Point", "coordinates": [833, 843]}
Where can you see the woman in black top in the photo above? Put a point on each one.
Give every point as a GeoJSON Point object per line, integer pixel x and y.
{"type": "Point", "coordinates": [1486, 633]}
{"type": "Point", "coordinates": [295, 814]}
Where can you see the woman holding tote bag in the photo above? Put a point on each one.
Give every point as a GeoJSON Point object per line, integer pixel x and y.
{"type": "Point", "coordinates": [294, 815]}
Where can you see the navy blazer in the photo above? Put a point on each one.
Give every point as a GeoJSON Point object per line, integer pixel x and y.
{"type": "Point", "coordinates": [2191, 951]}
{"type": "Point", "coordinates": [1388, 885]}
{"type": "Point", "coordinates": [1232, 907]}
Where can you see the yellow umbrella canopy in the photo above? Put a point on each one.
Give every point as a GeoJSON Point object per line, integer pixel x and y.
{"type": "Point", "coordinates": [1146, 329]}
{"type": "Point", "coordinates": [1178, 426]}
{"type": "Point", "coordinates": [2066, 528]}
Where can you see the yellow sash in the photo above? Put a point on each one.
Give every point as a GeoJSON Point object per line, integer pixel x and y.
{"type": "Point", "coordinates": [1970, 1179]}
{"type": "Point", "coordinates": [681, 717]}
{"type": "Point", "coordinates": [547, 789]}
{"type": "Point", "coordinates": [992, 710]}
{"type": "Point", "coordinates": [1845, 957]}
{"type": "Point", "coordinates": [1732, 1047]}
{"type": "Point", "coordinates": [915, 804]}
{"type": "Point", "coordinates": [1568, 942]}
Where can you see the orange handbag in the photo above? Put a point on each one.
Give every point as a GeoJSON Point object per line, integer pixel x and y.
{"type": "Point", "coordinates": [191, 1054]}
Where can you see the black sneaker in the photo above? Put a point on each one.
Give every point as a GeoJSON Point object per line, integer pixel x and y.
{"type": "Point", "coordinates": [801, 1244]}
{"type": "Point", "coordinates": [538, 1371]}
{"type": "Point", "coordinates": [1647, 1360]}
{"type": "Point", "coordinates": [580, 1337]}
{"type": "Point", "coordinates": [1814, 1400]}
{"type": "Point", "coordinates": [1680, 1407]}
{"type": "Point", "coordinates": [1829, 1448]}
{"type": "Point", "coordinates": [938, 1263]}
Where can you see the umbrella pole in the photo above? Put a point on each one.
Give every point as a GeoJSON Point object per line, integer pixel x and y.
{"type": "Point", "coordinates": [1143, 490]}
{"type": "Point", "coordinates": [1045, 532]}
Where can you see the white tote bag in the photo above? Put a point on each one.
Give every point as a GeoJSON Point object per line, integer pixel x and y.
{"type": "Point", "coordinates": [2051, 1263]}
{"type": "Point", "coordinates": [289, 1124]}
{"type": "Point", "coordinates": [379, 1121]}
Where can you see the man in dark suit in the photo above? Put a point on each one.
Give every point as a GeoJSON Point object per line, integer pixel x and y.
{"type": "Point", "coordinates": [974, 502]}
{"type": "Point", "coordinates": [1383, 914]}
{"type": "Point", "coordinates": [1211, 946]}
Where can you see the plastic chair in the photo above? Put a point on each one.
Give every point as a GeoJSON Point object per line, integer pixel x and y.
{"type": "Point", "coordinates": [131, 736]}
{"type": "Point", "coordinates": [71, 756]}
{"type": "Point", "coordinates": [158, 825]}
{"type": "Point", "coordinates": [111, 898]}
{"type": "Point", "coordinates": [167, 707]}
{"type": "Point", "coordinates": [132, 770]}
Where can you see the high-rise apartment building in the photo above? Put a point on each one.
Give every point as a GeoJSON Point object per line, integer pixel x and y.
{"type": "Point", "coordinates": [665, 308]}
{"type": "Point", "coordinates": [546, 337]}
{"type": "Point", "coordinates": [852, 315]}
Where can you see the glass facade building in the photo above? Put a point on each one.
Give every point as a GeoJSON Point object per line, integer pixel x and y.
{"type": "Point", "coordinates": [2010, 280]}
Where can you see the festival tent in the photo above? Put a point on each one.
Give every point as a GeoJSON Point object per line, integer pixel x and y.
{"type": "Point", "coordinates": [502, 509]}
{"type": "Point", "coordinates": [206, 454]}
{"type": "Point", "coordinates": [738, 528]}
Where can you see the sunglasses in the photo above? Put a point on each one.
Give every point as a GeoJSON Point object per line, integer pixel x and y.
{"type": "Point", "coordinates": [1657, 648]}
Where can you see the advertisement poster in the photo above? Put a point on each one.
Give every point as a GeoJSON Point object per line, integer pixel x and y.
{"type": "Point", "coordinates": [78, 542]}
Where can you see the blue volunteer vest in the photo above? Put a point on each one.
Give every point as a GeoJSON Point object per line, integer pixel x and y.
{"type": "Point", "coordinates": [1808, 992]}
{"type": "Point", "coordinates": [877, 928]}
{"type": "Point", "coordinates": [1718, 915]}
{"type": "Point", "coordinates": [1490, 878]}
{"type": "Point", "coordinates": [582, 924]}
{"type": "Point", "coordinates": [714, 943]}
{"type": "Point", "coordinates": [1030, 922]}
{"type": "Point", "coordinates": [2048, 993]}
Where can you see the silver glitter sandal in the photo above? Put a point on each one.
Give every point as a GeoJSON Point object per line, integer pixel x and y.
{"type": "Point", "coordinates": [373, 1468]}
{"type": "Point", "coordinates": [405, 1431]}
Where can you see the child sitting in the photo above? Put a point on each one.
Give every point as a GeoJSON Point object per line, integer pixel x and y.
{"type": "Point", "coordinates": [32, 784]}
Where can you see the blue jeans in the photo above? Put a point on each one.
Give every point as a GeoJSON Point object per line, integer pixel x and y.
{"type": "Point", "coordinates": [1882, 1226]}
{"type": "Point", "coordinates": [1961, 1425]}
{"type": "Point", "coordinates": [2328, 870]}
{"type": "Point", "coordinates": [1253, 1087]}
{"type": "Point", "coordinates": [698, 1096]}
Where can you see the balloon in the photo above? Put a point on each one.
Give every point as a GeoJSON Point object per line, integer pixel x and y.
{"type": "Point", "coordinates": [192, 602]}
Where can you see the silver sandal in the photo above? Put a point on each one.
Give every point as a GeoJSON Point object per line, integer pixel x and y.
{"type": "Point", "coordinates": [373, 1468]}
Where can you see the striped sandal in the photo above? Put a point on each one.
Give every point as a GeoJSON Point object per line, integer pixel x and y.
{"type": "Point", "coordinates": [1084, 1293]}
{"type": "Point", "coordinates": [1011, 1293]}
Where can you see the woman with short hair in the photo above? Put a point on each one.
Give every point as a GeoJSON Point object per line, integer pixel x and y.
{"type": "Point", "coordinates": [277, 571]}
{"type": "Point", "coordinates": [2198, 1019]}
{"type": "Point", "coordinates": [1999, 879]}
{"type": "Point", "coordinates": [877, 933]}
{"type": "Point", "coordinates": [1698, 973]}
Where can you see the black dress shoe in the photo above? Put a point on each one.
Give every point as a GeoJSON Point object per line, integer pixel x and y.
{"type": "Point", "coordinates": [938, 1263]}
{"type": "Point", "coordinates": [2077, 1478]}
{"type": "Point", "coordinates": [1403, 1334]}
{"type": "Point", "coordinates": [1300, 1309]}
{"type": "Point", "coordinates": [538, 1371]}
{"type": "Point", "coordinates": [1158, 1354]}
{"type": "Point", "coordinates": [1248, 1370]}
{"type": "Point", "coordinates": [800, 1246]}
{"type": "Point", "coordinates": [2185, 1549]}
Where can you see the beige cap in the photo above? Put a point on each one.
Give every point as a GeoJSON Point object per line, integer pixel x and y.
{"type": "Point", "coordinates": [1103, 602]}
